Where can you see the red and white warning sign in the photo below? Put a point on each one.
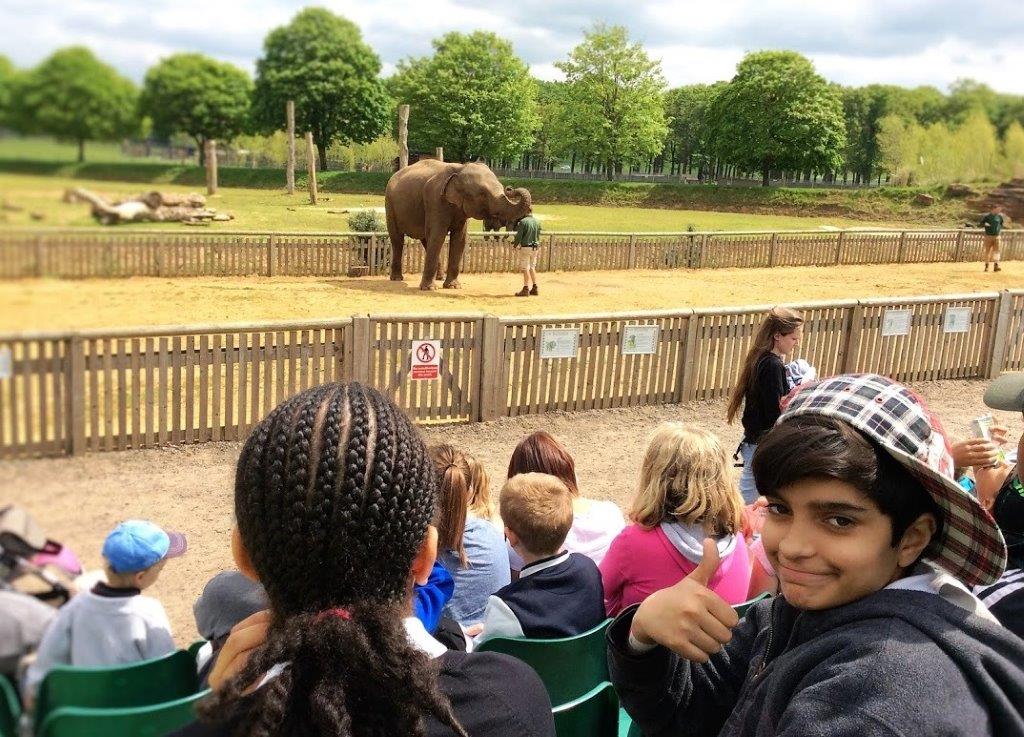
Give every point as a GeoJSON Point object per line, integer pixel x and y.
{"type": "Point", "coordinates": [426, 359]}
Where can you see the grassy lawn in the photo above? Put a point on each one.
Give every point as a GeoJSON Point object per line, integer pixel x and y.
{"type": "Point", "coordinates": [267, 209]}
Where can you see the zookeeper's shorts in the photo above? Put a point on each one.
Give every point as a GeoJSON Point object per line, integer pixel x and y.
{"type": "Point", "coordinates": [528, 256]}
{"type": "Point", "coordinates": [991, 246]}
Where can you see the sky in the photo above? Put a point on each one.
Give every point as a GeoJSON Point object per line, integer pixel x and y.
{"type": "Point", "coordinates": [854, 42]}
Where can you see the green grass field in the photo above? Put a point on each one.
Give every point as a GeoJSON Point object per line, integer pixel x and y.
{"type": "Point", "coordinates": [262, 209]}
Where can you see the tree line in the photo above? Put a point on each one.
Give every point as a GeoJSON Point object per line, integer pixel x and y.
{"type": "Point", "coordinates": [613, 112]}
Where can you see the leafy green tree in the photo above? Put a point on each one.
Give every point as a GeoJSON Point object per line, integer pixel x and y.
{"type": "Point", "coordinates": [196, 95]}
{"type": "Point", "coordinates": [545, 149]}
{"type": "Point", "coordinates": [778, 113]}
{"type": "Point", "coordinates": [924, 104]}
{"type": "Point", "coordinates": [898, 145]}
{"type": "Point", "coordinates": [975, 148]}
{"type": "Point", "coordinates": [320, 61]}
{"type": "Point", "coordinates": [614, 97]}
{"type": "Point", "coordinates": [687, 109]}
{"type": "Point", "coordinates": [474, 97]}
{"type": "Point", "coordinates": [1013, 149]}
{"type": "Point", "coordinates": [863, 109]}
{"type": "Point", "coordinates": [8, 78]}
{"type": "Point", "coordinates": [73, 96]}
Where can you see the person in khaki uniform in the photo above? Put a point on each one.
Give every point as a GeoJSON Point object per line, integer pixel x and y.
{"type": "Point", "coordinates": [527, 241]}
{"type": "Point", "coordinates": [993, 223]}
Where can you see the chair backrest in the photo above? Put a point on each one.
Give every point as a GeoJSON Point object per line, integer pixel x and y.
{"type": "Point", "coordinates": [195, 647]}
{"type": "Point", "coordinates": [594, 714]}
{"type": "Point", "coordinates": [10, 709]}
{"type": "Point", "coordinates": [568, 666]}
{"type": "Point", "coordinates": [137, 684]}
{"type": "Point", "coordinates": [741, 609]}
{"type": "Point", "coordinates": [136, 721]}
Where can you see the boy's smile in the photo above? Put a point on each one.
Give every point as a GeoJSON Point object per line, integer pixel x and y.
{"type": "Point", "coordinates": [830, 545]}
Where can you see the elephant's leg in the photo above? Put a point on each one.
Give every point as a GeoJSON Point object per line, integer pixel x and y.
{"type": "Point", "coordinates": [456, 247]}
{"type": "Point", "coordinates": [432, 257]}
{"type": "Point", "coordinates": [397, 238]}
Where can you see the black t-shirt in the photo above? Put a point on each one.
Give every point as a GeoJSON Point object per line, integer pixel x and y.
{"type": "Point", "coordinates": [1005, 599]}
{"type": "Point", "coordinates": [492, 695]}
{"type": "Point", "coordinates": [768, 386]}
{"type": "Point", "coordinates": [1008, 512]}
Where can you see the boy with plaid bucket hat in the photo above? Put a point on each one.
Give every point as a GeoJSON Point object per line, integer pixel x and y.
{"type": "Point", "coordinates": [876, 631]}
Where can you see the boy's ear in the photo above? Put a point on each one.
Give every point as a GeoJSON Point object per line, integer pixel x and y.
{"type": "Point", "coordinates": [513, 538]}
{"type": "Point", "coordinates": [242, 560]}
{"type": "Point", "coordinates": [915, 540]}
{"type": "Point", "coordinates": [423, 563]}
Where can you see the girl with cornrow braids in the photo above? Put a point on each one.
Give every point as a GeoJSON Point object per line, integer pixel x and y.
{"type": "Point", "coordinates": [335, 498]}
{"type": "Point", "coordinates": [470, 548]}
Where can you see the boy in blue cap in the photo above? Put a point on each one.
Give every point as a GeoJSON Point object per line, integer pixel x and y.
{"type": "Point", "coordinates": [113, 624]}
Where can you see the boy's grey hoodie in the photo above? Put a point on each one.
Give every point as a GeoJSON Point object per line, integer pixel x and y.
{"type": "Point", "coordinates": [896, 662]}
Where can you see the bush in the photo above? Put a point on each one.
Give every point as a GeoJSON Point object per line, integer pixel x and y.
{"type": "Point", "coordinates": [366, 221]}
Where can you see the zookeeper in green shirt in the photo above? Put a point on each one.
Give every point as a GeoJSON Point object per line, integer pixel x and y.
{"type": "Point", "coordinates": [527, 241]}
{"type": "Point", "coordinates": [993, 224]}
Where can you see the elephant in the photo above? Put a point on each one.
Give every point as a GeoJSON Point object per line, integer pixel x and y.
{"type": "Point", "coordinates": [432, 199]}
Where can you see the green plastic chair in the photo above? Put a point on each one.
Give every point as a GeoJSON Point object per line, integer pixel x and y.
{"type": "Point", "coordinates": [137, 721]}
{"type": "Point", "coordinates": [194, 649]}
{"type": "Point", "coordinates": [626, 725]}
{"type": "Point", "coordinates": [138, 684]}
{"type": "Point", "coordinates": [741, 609]}
{"type": "Point", "coordinates": [594, 714]}
{"type": "Point", "coordinates": [10, 709]}
{"type": "Point", "coordinates": [569, 666]}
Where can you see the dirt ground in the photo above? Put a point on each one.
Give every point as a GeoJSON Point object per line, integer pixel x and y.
{"type": "Point", "coordinates": [51, 304]}
{"type": "Point", "coordinates": [78, 500]}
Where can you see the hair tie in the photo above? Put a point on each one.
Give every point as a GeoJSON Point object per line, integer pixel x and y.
{"type": "Point", "coordinates": [338, 611]}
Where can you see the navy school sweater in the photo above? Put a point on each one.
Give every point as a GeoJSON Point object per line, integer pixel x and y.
{"type": "Point", "coordinates": [897, 662]}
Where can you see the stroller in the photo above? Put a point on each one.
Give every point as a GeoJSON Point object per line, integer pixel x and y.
{"type": "Point", "coordinates": [33, 564]}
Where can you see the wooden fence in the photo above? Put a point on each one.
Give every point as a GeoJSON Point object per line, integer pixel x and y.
{"type": "Point", "coordinates": [85, 253]}
{"type": "Point", "coordinates": [67, 393]}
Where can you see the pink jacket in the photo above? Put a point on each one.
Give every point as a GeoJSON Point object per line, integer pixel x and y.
{"type": "Point", "coordinates": [641, 561]}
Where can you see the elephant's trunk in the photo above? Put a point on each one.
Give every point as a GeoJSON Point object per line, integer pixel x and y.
{"type": "Point", "coordinates": [514, 204]}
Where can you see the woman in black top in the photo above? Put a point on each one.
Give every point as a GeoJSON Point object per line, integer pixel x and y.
{"type": "Point", "coordinates": [335, 500]}
{"type": "Point", "coordinates": [762, 384]}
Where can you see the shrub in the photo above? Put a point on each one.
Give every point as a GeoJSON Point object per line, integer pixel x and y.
{"type": "Point", "coordinates": [366, 221]}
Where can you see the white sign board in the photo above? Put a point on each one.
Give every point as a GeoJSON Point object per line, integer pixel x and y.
{"type": "Point", "coordinates": [896, 322]}
{"type": "Point", "coordinates": [6, 363]}
{"type": "Point", "coordinates": [639, 340]}
{"type": "Point", "coordinates": [957, 320]}
{"type": "Point", "coordinates": [559, 342]}
{"type": "Point", "coordinates": [426, 360]}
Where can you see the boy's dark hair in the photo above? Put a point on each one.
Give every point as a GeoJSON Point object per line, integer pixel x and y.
{"type": "Point", "coordinates": [333, 495]}
{"type": "Point", "coordinates": [812, 446]}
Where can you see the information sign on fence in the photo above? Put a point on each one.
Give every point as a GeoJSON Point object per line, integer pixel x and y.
{"type": "Point", "coordinates": [559, 342]}
{"type": "Point", "coordinates": [957, 320]}
{"type": "Point", "coordinates": [639, 340]}
{"type": "Point", "coordinates": [896, 322]}
{"type": "Point", "coordinates": [426, 359]}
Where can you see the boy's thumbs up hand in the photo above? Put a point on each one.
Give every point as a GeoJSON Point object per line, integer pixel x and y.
{"type": "Point", "coordinates": [688, 618]}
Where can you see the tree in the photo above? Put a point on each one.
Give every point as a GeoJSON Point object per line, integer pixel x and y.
{"type": "Point", "coordinates": [474, 97]}
{"type": "Point", "coordinates": [778, 113]}
{"type": "Point", "coordinates": [924, 104]}
{"type": "Point", "coordinates": [196, 95]}
{"type": "Point", "coordinates": [614, 97]}
{"type": "Point", "coordinates": [8, 78]}
{"type": "Point", "coordinates": [898, 144]}
{"type": "Point", "coordinates": [320, 61]}
{"type": "Point", "coordinates": [1013, 149]}
{"type": "Point", "coordinates": [687, 110]}
{"type": "Point", "coordinates": [73, 96]}
{"type": "Point", "coordinates": [863, 109]}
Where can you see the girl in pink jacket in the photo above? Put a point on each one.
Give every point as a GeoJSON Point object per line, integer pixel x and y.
{"type": "Point", "coordinates": [686, 493]}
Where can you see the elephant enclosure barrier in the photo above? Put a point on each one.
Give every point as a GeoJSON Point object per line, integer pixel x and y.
{"type": "Point", "coordinates": [72, 392]}
{"type": "Point", "coordinates": [98, 253]}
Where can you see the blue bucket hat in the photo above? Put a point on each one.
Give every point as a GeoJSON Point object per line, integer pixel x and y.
{"type": "Point", "coordinates": [136, 545]}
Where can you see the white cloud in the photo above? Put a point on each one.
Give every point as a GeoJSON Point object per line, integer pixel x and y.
{"type": "Point", "coordinates": [905, 42]}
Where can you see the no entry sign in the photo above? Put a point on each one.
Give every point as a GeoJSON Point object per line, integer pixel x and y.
{"type": "Point", "coordinates": [426, 359]}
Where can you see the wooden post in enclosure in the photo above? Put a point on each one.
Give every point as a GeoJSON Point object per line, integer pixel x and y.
{"type": "Point", "coordinates": [289, 111]}
{"type": "Point", "coordinates": [403, 136]}
{"type": "Point", "coordinates": [1000, 339]}
{"type": "Point", "coordinates": [493, 397]}
{"type": "Point", "coordinates": [210, 155]}
{"type": "Point", "coordinates": [439, 153]}
{"type": "Point", "coordinates": [311, 166]}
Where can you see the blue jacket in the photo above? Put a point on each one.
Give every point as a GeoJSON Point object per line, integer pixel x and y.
{"type": "Point", "coordinates": [428, 600]}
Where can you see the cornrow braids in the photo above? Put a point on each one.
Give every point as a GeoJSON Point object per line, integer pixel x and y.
{"type": "Point", "coordinates": [334, 491]}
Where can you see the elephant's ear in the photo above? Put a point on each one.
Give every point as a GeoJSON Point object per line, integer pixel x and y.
{"type": "Point", "coordinates": [451, 190]}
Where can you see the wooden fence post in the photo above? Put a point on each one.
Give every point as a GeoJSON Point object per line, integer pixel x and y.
{"type": "Point", "coordinates": [1000, 334]}
{"type": "Point", "coordinates": [958, 253]}
{"type": "Point", "coordinates": [688, 361]}
{"type": "Point", "coordinates": [439, 153]}
{"type": "Point", "coordinates": [700, 253]}
{"type": "Point", "coordinates": [851, 349]}
{"type": "Point", "coordinates": [771, 249]}
{"type": "Point", "coordinates": [289, 111]}
{"type": "Point", "coordinates": [551, 253]}
{"type": "Point", "coordinates": [839, 247]}
{"type": "Point", "coordinates": [403, 136]}
{"type": "Point", "coordinates": [359, 365]}
{"type": "Point", "coordinates": [210, 146]}
{"type": "Point", "coordinates": [311, 166]}
{"type": "Point", "coordinates": [371, 257]}
{"type": "Point", "coordinates": [271, 256]}
{"type": "Point", "coordinates": [493, 397]}
{"type": "Point", "coordinates": [74, 396]}
{"type": "Point", "coordinates": [632, 252]}
{"type": "Point", "coordinates": [39, 256]}
{"type": "Point", "coordinates": [900, 254]}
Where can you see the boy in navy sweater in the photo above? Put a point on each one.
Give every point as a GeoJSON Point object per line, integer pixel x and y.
{"type": "Point", "coordinates": [558, 594]}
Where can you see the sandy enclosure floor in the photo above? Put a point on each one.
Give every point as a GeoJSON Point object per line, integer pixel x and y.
{"type": "Point", "coordinates": [78, 500]}
{"type": "Point", "coordinates": [51, 304]}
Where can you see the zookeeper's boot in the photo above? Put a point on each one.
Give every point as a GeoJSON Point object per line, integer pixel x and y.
{"type": "Point", "coordinates": [533, 291]}
{"type": "Point", "coordinates": [524, 292]}
{"type": "Point", "coordinates": [997, 267]}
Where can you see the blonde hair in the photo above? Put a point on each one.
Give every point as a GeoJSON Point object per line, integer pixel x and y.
{"type": "Point", "coordinates": [537, 507]}
{"type": "Point", "coordinates": [479, 489]}
{"type": "Point", "coordinates": [686, 476]}
{"type": "Point", "coordinates": [452, 498]}
{"type": "Point", "coordinates": [779, 320]}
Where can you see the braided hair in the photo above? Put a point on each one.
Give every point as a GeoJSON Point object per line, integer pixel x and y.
{"type": "Point", "coordinates": [333, 495]}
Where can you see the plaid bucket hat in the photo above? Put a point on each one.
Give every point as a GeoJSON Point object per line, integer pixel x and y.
{"type": "Point", "coordinates": [970, 545]}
